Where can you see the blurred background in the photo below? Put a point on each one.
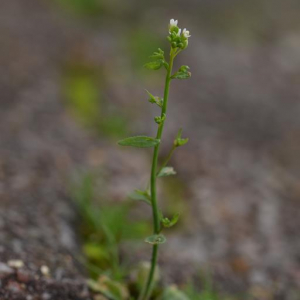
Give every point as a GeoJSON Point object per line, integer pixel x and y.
{"type": "Point", "coordinates": [72, 83]}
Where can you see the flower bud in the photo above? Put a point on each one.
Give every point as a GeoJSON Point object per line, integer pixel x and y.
{"type": "Point", "coordinates": [173, 25]}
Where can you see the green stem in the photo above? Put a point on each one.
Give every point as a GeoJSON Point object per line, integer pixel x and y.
{"type": "Point", "coordinates": [165, 162]}
{"type": "Point", "coordinates": [155, 210]}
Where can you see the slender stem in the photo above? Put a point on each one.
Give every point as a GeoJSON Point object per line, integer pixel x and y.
{"type": "Point", "coordinates": [155, 210]}
{"type": "Point", "coordinates": [163, 165]}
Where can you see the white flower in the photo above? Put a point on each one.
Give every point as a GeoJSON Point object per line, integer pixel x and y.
{"type": "Point", "coordinates": [173, 23]}
{"type": "Point", "coordinates": [179, 32]}
{"type": "Point", "coordinates": [186, 33]}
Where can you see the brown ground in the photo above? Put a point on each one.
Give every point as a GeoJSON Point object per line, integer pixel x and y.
{"type": "Point", "coordinates": [22, 284]}
{"type": "Point", "coordinates": [39, 148]}
{"type": "Point", "coordinates": [240, 171]}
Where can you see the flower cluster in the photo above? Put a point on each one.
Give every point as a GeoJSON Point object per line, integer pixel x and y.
{"type": "Point", "coordinates": [177, 37]}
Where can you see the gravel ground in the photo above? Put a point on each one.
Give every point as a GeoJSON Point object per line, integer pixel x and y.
{"type": "Point", "coordinates": [240, 170]}
{"type": "Point", "coordinates": [38, 150]}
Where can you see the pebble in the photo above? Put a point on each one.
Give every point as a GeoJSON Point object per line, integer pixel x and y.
{"type": "Point", "coordinates": [46, 296]}
{"type": "Point", "coordinates": [23, 276]}
{"type": "Point", "coordinates": [17, 264]}
{"type": "Point", "coordinates": [45, 270]}
{"type": "Point", "coordinates": [5, 270]}
{"type": "Point", "coordinates": [14, 287]}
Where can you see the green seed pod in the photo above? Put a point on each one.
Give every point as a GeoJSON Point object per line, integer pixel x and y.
{"type": "Point", "coordinates": [175, 29]}
{"type": "Point", "coordinates": [185, 44]}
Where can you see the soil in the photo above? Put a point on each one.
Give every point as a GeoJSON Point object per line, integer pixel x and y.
{"type": "Point", "coordinates": [39, 148]}
{"type": "Point", "coordinates": [22, 284]}
{"type": "Point", "coordinates": [239, 173]}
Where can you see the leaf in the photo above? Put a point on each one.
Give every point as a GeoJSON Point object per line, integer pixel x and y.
{"type": "Point", "coordinates": [158, 61]}
{"type": "Point", "coordinates": [166, 171]}
{"type": "Point", "coordinates": [139, 141]}
{"type": "Point", "coordinates": [158, 55]}
{"type": "Point", "coordinates": [156, 239]}
{"type": "Point", "coordinates": [166, 65]}
{"type": "Point", "coordinates": [172, 293]}
{"type": "Point", "coordinates": [96, 252]}
{"type": "Point", "coordinates": [182, 73]}
{"type": "Point", "coordinates": [93, 285]}
{"type": "Point", "coordinates": [154, 65]}
{"type": "Point", "coordinates": [155, 99]}
{"type": "Point", "coordinates": [179, 133]}
{"type": "Point", "coordinates": [179, 141]}
{"type": "Point", "coordinates": [141, 196]}
{"type": "Point", "coordinates": [169, 223]}
{"type": "Point", "coordinates": [109, 288]}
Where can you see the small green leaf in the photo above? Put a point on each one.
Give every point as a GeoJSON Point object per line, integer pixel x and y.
{"type": "Point", "coordinates": [154, 65]}
{"type": "Point", "coordinates": [182, 73]}
{"type": "Point", "coordinates": [166, 171]}
{"type": "Point", "coordinates": [169, 223]}
{"type": "Point", "coordinates": [109, 288]}
{"type": "Point", "coordinates": [158, 55]}
{"type": "Point", "coordinates": [158, 61]}
{"type": "Point", "coordinates": [156, 239]}
{"type": "Point", "coordinates": [141, 196]}
{"type": "Point", "coordinates": [179, 141]}
{"type": "Point", "coordinates": [95, 252]}
{"type": "Point", "coordinates": [154, 99]}
{"type": "Point", "coordinates": [139, 141]}
{"type": "Point", "coordinates": [179, 134]}
{"type": "Point", "coordinates": [93, 285]}
{"type": "Point", "coordinates": [166, 65]}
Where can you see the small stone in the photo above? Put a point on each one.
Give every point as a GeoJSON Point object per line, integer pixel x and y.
{"type": "Point", "coordinates": [5, 270]}
{"type": "Point", "coordinates": [45, 270]}
{"type": "Point", "coordinates": [85, 292]}
{"type": "Point", "coordinates": [14, 287]}
{"type": "Point", "coordinates": [17, 264]}
{"type": "Point", "coordinates": [46, 296]}
{"type": "Point", "coordinates": [23, 276]}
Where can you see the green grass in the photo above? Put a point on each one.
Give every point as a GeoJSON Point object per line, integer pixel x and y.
{"type": "Point", "coordinates": [104, 227]}
{"type": "Point", "coordinates": [85, 99]}
{"type": "Point", "coordinates": [206, 294]}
